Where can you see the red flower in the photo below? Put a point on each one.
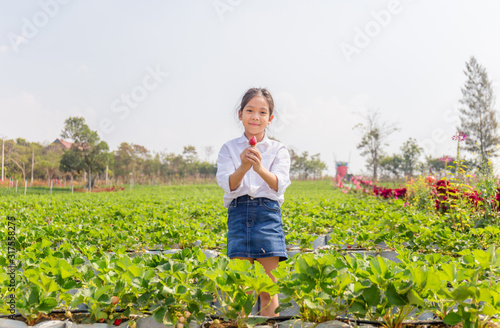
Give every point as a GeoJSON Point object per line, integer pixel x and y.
{"type": "Point", "coordinates": [399, 193]}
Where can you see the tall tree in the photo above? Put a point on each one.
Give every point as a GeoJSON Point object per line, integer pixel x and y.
{"type": "Point", "coordinates": [88, 153]}
{"type": "Point", "coordinates": [477, 114]}
{"type": "Point", "coordinates": [373, 140]}
{"type": "Point", "coordinates": [410, 153]}
{"type": "Point", "coordinates": [20, 156]}
{"type": "Point", "coordinates": [49, 161]}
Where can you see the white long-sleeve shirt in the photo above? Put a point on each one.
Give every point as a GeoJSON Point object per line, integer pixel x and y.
{"type": "Point", "coordinates": [275, 158]}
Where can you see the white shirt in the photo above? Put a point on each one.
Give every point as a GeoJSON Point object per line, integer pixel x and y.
{"type": "Point", "coordinates": [275, 158]}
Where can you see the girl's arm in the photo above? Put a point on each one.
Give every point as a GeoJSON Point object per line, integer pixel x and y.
{"type": "Point", "coordinates": [237, 176]}
{"type": "Point", "coordinates": [229, 178]}
{"type": "Point", "coordinates": [270, 178]}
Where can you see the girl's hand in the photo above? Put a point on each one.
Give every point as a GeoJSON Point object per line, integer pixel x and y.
{"type": "Point", "coordinates": [245, 162]}
{"type": "Point", "coordinates": [254, 156]}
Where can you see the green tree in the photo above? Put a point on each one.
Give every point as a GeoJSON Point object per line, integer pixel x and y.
{"type": "Point", "coordinates": [391, 165]}
{"type": "Point", "coordinates": [49, 160]}
{"type": "Point", "coordinates": [88, 153]}
{"type": "Point", "coordinates": [131, 160]}
{"type": "Point", "coordinates": [373, 139]}
{"type": "Point", "coordinates": [435, 164]}
{"type": "Point", "coordinates": [477, 113]}
{"type": "Point", "coordinates": [206, 169]}
{"type": "Point", "coordinates": [410, 154]}
{"type": "Point", "coordinates": [190, 157]}
{"type": "Point", "coordinates": [316, 166]}
{"type": "Point", "coordinates": [302, 166]}
{"type": "Point", "coordinates": [20, 155]}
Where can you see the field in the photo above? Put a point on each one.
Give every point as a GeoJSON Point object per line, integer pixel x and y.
{"type": "Point", "coordinates": [82, 249]}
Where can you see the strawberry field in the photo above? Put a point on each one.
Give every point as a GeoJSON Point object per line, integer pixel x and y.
{"type": "Point", "coordinates": [160, 252]}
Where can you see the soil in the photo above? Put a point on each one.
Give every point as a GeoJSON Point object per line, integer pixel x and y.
{"type": "Point", "coordinates": [232, 324]}
{"type": "Point", "coordinates": [76, 318]}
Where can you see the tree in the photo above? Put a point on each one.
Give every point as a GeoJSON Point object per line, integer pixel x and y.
{"type": "Point", "coordinates": [477, 114]}
{"type": "Point", "coordinates": [436, 165]}
{"type": "Point", "coordinates": [50, 161]}
{"type": "Point", "coordinates": [316, 166]}
{"type": "Point", "coordinates": [209, 150]}
{"type": "Point", "coordinates": [190, 154]}
{"type": "Point", "coordinates": [131, 159]}
{"type": "Point", "coordinates": [391, 164]}
{"type": "Point", "coordinates": [20, 156]}
{"type": "Point", "coordinates": [190, 157]}
{"type": "Point", "coordinates": [303, 166]}
{"type": "Point", "coordinates": [373, 140]}
{"type": "Point", "coordinates": [410, 153]}
{"type": "Point", "coordinates": [87, 153]}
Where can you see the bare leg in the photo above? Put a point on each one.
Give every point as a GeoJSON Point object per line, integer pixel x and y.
{"type": "Point", "coordinates": [267, 304]}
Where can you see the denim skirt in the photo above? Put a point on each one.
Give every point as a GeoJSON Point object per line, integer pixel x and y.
{"type": "Point", "coordinates": [255, 229]}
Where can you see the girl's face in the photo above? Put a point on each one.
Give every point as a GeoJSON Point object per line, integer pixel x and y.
{"type": "Point", "coordinates": [255, 117]}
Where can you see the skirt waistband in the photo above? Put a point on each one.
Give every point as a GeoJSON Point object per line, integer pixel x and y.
{"type": "Point", "coordinates": [247, 198]}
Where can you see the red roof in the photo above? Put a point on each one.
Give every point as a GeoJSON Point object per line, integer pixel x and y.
{"type": "Point", "coordinates": [65, 143]}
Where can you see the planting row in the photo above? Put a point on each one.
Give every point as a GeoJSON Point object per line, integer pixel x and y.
{"type": "Point", "coordinates": [179, 288]}
{"type": "Point", "coordinates": [159, 218]}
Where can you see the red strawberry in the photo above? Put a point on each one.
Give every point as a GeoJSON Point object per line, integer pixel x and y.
{"type": "Point", "coordinates": [117, 322]}
{"type": "Point", "coordinates": [101, 320]}
{"type": "Point", "coordinates": [252, 141]}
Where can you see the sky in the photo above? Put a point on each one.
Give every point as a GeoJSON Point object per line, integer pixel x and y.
{"type": "Point", "coordinates": [167, 74]}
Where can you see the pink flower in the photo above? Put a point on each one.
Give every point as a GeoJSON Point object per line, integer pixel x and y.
{"type": "Point", "coordinates": [460, 136]}
{"type": "Point", "coordinates": [446, 159]}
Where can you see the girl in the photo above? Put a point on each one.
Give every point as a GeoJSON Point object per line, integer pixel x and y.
{"type": "Point", "coordinates": [254, 179]}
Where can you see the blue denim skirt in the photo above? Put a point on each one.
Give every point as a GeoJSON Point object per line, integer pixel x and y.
{"type": "Point", "coordinates": [255, 229]}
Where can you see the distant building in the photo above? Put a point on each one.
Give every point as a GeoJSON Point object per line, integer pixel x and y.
{"type": "Point", "coordinates": [62, 143]}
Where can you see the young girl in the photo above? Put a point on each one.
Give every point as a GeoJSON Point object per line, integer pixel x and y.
{"type": "Point", "coordinates": [254, 179]}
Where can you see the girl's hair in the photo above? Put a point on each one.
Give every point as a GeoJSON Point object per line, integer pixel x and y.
{"type": "Point", "coordinates": [252, 92]}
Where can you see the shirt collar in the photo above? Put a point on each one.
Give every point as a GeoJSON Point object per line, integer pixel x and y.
{"type": "Point", "coordinates": [243, 139]}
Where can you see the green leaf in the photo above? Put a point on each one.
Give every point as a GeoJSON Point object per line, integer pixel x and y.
{"type": "Point", "coordinates": [159, 313]}
{"type": "Point", "coordinates": [248, 304]}
{"type": "Point", "coordinates": [47, 305]}
{"type": "Point", "coordinates": [310, 305]}
{"type": "Point", "coordinates": [452, 319]}
{"type": "Point", "coordinates": [394, 297]}
{"type": "Point", "coordinates": [414, 298]}
{"type": "Point", "coordinates": [371, 295]}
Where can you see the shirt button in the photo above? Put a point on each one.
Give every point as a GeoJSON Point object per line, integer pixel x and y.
{"type": "Point", "coordinates": [251, 197]}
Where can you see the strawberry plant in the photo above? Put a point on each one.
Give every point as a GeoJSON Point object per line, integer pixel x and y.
{"type": "Point", "coordinates": [181, 298]}
{"type": "Point", "coordinates": [318, 284]}
{"type": "Point", "coordinates": [35, 295]}
{"type": "Point", "coordinates": [238, 284]}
